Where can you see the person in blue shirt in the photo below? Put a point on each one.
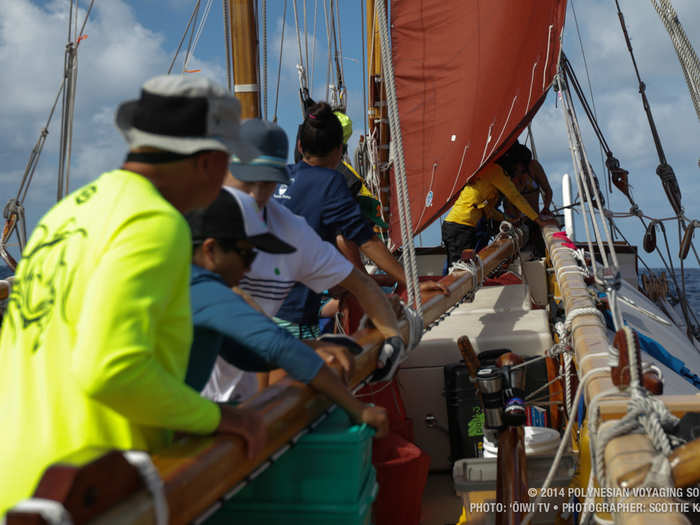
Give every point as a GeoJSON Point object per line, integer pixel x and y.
{"type": "Point", "coordinates": [225, 236]}
{"type": "Point", "coordinates": [320, 194]}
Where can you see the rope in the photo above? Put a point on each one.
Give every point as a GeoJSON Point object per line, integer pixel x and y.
{"type": "Point", "coordinates": [194, 41]}
{"type": "Point", "coordinates": [577, 312]}
{"type": "Point", "coordinates": [227, 38]}
{"type": "Point", "coordinates": [53, 512]}
{"type": "Point", "coordinates": [195, 10]}
{"type": "Point", "coordinates": [590, 87]}
{"type": "Point", "coordinates": [279, 66]}
{"type": "Point", "coordinates": [142, 461]}
{"type": "Point", "coordinates": [645, 414]}
{"type": "Point", "coordinates": [301, 71]}
{"type": "Point", "coordinates": [577, 166]}
{"type": "Point", "coordinates": [264, 53]}
{"type": "Point", "coordinates": [684, 49]}
{"type": "Point", "coordinates": [404, 207]}
{"type": "Point", "coordinates": [564, 441]}
{"type": "Point", "coordinates": [591, 184]}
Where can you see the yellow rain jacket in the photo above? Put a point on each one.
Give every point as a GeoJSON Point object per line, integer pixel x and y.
{"type": "Point", "coordinates": [480, 197]}
{"type": "Point", "coordinates": [96, 339]}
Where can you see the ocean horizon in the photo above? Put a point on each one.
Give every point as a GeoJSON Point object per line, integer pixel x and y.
{"type": "Point", "coordinates": [692, 284]}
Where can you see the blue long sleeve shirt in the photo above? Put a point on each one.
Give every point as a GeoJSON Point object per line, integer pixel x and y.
{"type": "Point", "coordinates": [322, 197]}
{"type": "Point", "coordinates": [224, 324]}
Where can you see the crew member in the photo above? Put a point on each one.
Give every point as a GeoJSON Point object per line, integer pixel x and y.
{"type": "Point", "coordinates": [96, 338]}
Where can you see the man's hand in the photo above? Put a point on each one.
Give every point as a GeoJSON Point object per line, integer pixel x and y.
{"type": "Point", "coordinates": [433, 286]}
{"type": "Point", "coordinates": [245, 423]}
{"type": "Point", "coordinates": [336, 353]}
{"type": "Point", "coordinates": [377, 418]}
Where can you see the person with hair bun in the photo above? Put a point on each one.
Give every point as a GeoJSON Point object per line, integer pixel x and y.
{"type": "Point", "coordinates": [319, 193]}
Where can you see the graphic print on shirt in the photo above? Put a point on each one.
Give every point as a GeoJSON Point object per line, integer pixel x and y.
{"type": "Point", "coordinates": [45, 279]}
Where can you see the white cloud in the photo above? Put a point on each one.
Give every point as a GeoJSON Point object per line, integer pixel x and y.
{"type": "Point", "coordinates": [619, 106]}
{"type": "Point", "coordinates": [119, 54]}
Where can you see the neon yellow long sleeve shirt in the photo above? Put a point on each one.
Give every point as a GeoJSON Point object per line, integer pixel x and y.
{"type": "Point", "coordinates": [481, 196]}
{"type": "Point", "coordinates": [95, 342]}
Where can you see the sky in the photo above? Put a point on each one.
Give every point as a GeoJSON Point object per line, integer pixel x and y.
{"type": "Point", "coordinates": [129, 41]}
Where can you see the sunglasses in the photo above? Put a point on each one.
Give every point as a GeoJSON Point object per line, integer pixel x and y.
{"type": "Point", "coordinates": [247, 254]}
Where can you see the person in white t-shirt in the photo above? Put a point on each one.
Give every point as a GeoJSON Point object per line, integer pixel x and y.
{"type": "Point", "coordinates": [316, 263]}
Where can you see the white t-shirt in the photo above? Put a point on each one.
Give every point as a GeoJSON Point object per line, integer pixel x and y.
{"type": "Point", "coordinates": [316, 263]}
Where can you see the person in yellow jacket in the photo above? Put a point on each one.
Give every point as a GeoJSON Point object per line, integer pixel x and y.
{"type": "Point", "coordinates": [479, 198]}
{"type": "Point", "coordinates": [95, 341]}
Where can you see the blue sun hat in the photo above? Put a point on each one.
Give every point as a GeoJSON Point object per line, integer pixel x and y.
{"type": "Point", "coordinates": [272, 143]}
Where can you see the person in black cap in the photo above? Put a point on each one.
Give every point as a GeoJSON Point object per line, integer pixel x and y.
{"type": "Point", "coordinates": [96, 337]}
{"type": "Point", "coordinates": [317, 264]}
{"type": "Point", "coordinates": [226, 237]}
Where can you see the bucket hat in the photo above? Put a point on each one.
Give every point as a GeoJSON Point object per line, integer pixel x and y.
{"type": "Point", "coordinates": [272, 143]}
{"type": "Point", "coordinates": [184, 114]}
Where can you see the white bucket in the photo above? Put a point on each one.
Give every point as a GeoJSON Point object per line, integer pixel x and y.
{"type": "Point", "coordinates": [539, 441]}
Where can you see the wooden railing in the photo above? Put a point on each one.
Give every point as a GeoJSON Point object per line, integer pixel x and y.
{"type": "Point", "coordinates": [627, 453]}
{"type": "Point", "coordinates": [197, 472]}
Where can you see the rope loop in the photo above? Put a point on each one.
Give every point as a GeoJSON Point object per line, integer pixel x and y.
{"type": "Point", "coordinates": [53, 512]}
{"type": "Point", "coordinates": [142, 461]}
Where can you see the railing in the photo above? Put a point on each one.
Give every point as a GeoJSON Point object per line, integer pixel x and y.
{"type": "Point", "coordinates": [198, 472]}
{"type": "Point", "coordinates": [623, 454]}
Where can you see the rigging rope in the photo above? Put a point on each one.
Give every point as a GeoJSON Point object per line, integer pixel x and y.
{"type": "Point", "coordinates": [301, 68]}
{"type": "Point", "coordinates": [591, 183]}
{"type": "Point", "coordinates": [684, 49]}
{"type": "Point", "coordinates": [264, 46]}
{"type": "Point", "coordinates": [227, 38]}
{"type": "Point", "coordinates": [187, 30]}
{"type": "Point", "coordinates": [664, 170]}
{"type": "Point", "coordinates": [590, 86]}
{"type": "Point", "coordinates": [279, 66]}
{"type": "Point", "coordinates": [404, 206]}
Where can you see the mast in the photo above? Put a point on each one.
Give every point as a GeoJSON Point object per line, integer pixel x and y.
{"type": "Point", "coordinates": [377, 110]}
{"type": "Point", "coordinates": [244, 42]}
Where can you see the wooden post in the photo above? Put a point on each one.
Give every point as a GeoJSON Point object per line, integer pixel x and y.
{"type": "Point", "coordinates": [377, 110]}
{"type": "Point", "coordinates": [244, 43]}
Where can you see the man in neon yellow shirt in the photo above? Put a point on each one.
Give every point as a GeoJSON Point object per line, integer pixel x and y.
{"type": "Point", "coordinates": [95, 342]}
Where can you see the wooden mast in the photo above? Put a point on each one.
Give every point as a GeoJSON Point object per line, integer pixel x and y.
{"type": "Point", "coordinates": [244, 43]}
{"type": "Point", "coordinates": [377, 110]}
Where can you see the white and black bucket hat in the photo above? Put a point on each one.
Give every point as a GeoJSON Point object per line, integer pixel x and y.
{"type": "Point", "coordinates": [184, 114]}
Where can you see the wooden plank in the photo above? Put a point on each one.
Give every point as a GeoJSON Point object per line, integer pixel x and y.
{"type": "Point", "coordinates": [626, 453]}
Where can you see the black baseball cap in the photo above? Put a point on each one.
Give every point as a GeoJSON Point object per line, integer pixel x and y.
{"type": "Point", "coordinates": [234, 216]}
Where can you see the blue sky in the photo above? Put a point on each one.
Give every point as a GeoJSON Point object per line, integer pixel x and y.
{"type": "Point", "coordinates": [130, 40]}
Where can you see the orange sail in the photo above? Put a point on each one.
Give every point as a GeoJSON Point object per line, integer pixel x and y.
{"type": "Point", "coordinates": [470, 75]}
